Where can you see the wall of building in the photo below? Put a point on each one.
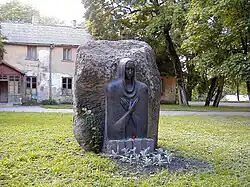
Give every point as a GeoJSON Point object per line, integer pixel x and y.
{"type": "Point", "coordinates": [16, 56]}
{"type": "Point", "coordinates": [168, 90]}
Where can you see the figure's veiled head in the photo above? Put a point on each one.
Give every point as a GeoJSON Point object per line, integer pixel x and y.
{"type": "Point", "coordinates": [126, 69]}
{"type": "Point", "coordinates": [130, 70]}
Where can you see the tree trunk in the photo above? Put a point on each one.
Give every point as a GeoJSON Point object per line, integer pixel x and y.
{"type": "Point", "coordinates": [219, 92]}
{"type": "Point", "coordinates": [211, 91]}
{"type": "Point", "coordinates": [238, 92]}
{"type": "Point", "coordinates": [248, 89]}
{"type": "Point", "coordinates": [177, 65]}
{"type": "Point", "coordinates": [189, 93]}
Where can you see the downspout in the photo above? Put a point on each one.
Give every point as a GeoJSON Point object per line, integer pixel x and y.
{"type": "Point", "coordinates": [52, 46]}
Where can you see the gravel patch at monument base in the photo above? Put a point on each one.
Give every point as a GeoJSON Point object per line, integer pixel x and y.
{"type": "Point", "coordinates": [178, 164]}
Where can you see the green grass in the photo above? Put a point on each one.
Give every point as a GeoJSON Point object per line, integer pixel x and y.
{"type": "Point", "coordinates": [40, 150]}
{"type": "Point", "coordinates": [62, 106]}
{"type": "Point", "coordinates": [173, 108]}
{"type": "Point", "coordinates": [205, 109]}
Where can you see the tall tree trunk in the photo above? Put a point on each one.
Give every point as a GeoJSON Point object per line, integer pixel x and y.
{"type": "Point", "coordinates": [219, 92]}
{"type": "Point", "coordinates": [211, 91]}
{"type": "Point", "coordinates": [244, 42]}
{"type": "Point", "coordinates": [189, 93]}
{"type": "Point", "coordinates": [177, 64]}
{"type": "Point", "coordinates": [238, 92]}
{"type": "Point", "coordinates": [248, 89]}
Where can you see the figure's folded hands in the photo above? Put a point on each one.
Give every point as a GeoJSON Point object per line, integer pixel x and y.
{"type": "Point", "coordinates": [125, 103]}
{"type": "Point", "coordinates": [132, 104]}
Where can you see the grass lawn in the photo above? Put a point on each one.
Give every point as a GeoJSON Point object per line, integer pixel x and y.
{"type": "Point", "coordinates": [173, 108]}
{"type": "Point", "coordinates": [40, 150]}
{"type": "Point", "coordinates": [205, 109]}
{"type": "Point", "coordinates": [62, 106]}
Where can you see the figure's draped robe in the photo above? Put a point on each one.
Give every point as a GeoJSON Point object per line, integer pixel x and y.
{"type": "Point", "coordinates": [136, 123]}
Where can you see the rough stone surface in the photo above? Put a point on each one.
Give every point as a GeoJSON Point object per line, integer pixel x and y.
{"type": "Point", "coordinates": [95, 66]}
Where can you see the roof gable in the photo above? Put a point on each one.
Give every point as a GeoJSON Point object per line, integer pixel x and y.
{"type": "Point", "coordinates": [25, 33]}
{"type": "Point", "coordinates": [12, 68]}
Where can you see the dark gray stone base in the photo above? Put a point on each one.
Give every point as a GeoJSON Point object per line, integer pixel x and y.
{"type": "Point", "coordinates": [138, 143]}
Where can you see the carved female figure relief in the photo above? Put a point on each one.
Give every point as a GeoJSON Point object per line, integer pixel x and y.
{"type": "Point", "coordinates": [126, 104]}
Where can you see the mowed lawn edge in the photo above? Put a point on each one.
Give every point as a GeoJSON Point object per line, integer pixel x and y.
{"type": "Point", "coordinates": [40, 150]}
{"type": "Point", "coordinates": [174, 108]}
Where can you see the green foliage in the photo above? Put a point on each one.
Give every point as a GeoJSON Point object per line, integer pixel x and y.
{"type": "Point", "coordinates": [48, 102]}
{"type": "Point", "coordinates": [1, 46]}
{"type": "Point", "coordinates": [218, 35]}
{"type": "Point", "coordinates": [143, 20]}
{"type": "Point", "coordinates": [49, 20]}
{"type": "Point", "coordinates": [40, 150]}
{"type": "Point", "coordinates": [16, 11]}
{"type": "Point", "coordinates": [93, 130]}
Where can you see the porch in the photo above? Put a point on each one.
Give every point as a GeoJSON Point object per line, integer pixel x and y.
{"type": "Point", "coordinates": [11, 84]}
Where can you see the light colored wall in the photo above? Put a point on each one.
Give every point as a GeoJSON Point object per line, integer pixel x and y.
{"type": "Point", "coordinates": [60, 66]}
{"type": "Point", "coordinates": [15, 56]}
{"type": "Point", "coordinates": [169, 90]}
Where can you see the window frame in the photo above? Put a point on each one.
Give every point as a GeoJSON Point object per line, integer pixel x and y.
{"type": "Point", "coordinates": [31, 82]}
{"type": "Point", "coordinates": [67, 54]}
{"type": "Point", "coordinates": [15, 84]}
{"type": "Point", "coordinates": [66, 89]}
{"type": "Point", "coordinates": [31, 53]}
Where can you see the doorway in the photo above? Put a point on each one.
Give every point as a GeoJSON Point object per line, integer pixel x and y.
{"type": "Point", "coordinates": [3, 91]}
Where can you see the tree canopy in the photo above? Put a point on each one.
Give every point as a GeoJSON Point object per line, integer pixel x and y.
{"type": "Point", "coordinates": [18, 12]}
{"type": "Point", "coordinates": [1, 46]}
{"type": "Point", "coordinates": [158, 22]}
{"type": "Point", "coordinates": [218, 37]}
{"type": "Point", "coordinates": [204, 40]}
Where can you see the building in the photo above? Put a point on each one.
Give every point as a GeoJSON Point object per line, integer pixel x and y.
{"type": "Point", "coordinates": [168, 89]}
{"type": "Point", "coordinates": [168, 80]}
{"type": "Point", "coordinates": [39, 62]}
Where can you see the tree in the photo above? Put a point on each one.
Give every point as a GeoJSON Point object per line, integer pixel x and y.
{"type": "Point", "coordinates": [239, 28]}
{"type": "Point", "coordinates": [214, 40]}
{"type": "Point", "coordinates": [15, 11]}
{"type": "Point", "coordinates": [1, 49]}
{"type": "Point", "coordinates": [1, 46]}
{"type": "Point", "coordinates": [158, 22]}
{"type": "Point", "coordinates": [48, 20]}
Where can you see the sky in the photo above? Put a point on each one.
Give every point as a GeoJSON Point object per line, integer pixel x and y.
{"type": "Point", "coordinates": [67, 10]}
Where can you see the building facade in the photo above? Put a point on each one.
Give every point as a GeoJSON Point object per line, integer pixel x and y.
{"type": "Point", "coordinates": [168, 89]}
{"type": "Point", "coordinates": [38, 63]}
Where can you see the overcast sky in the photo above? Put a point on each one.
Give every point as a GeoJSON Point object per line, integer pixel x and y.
{"type": "Point", "coordinates": [67, 10]}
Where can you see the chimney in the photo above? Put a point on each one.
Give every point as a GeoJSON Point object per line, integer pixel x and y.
{"type": "Point", "coordinates": [35, 19]}
{"type": "Point", "coordinates": [74, 24]}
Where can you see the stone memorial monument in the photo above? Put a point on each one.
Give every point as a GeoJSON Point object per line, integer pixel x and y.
{"type": "Point", "coordinates": [126, 111]}
{"type": "Point", "coordinates": [114, 105]}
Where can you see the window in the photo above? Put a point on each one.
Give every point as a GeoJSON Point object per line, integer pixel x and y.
{"type": "Point", "coordinates": [14, 84]}
{"type": "Point", "coordinates": [67, 54]}
{"type": "Point", "coordinates": [3, 77]}
{"type": "Point", "coordinates": [31, 82]}
{"type": "Point", "coordinates": [31, 53]}
{"type": "Point", "coordinates": [67, 85]}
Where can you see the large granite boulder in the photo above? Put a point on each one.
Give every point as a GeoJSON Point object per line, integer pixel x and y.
{"type": "Point", "coordinates": [95, 66]}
